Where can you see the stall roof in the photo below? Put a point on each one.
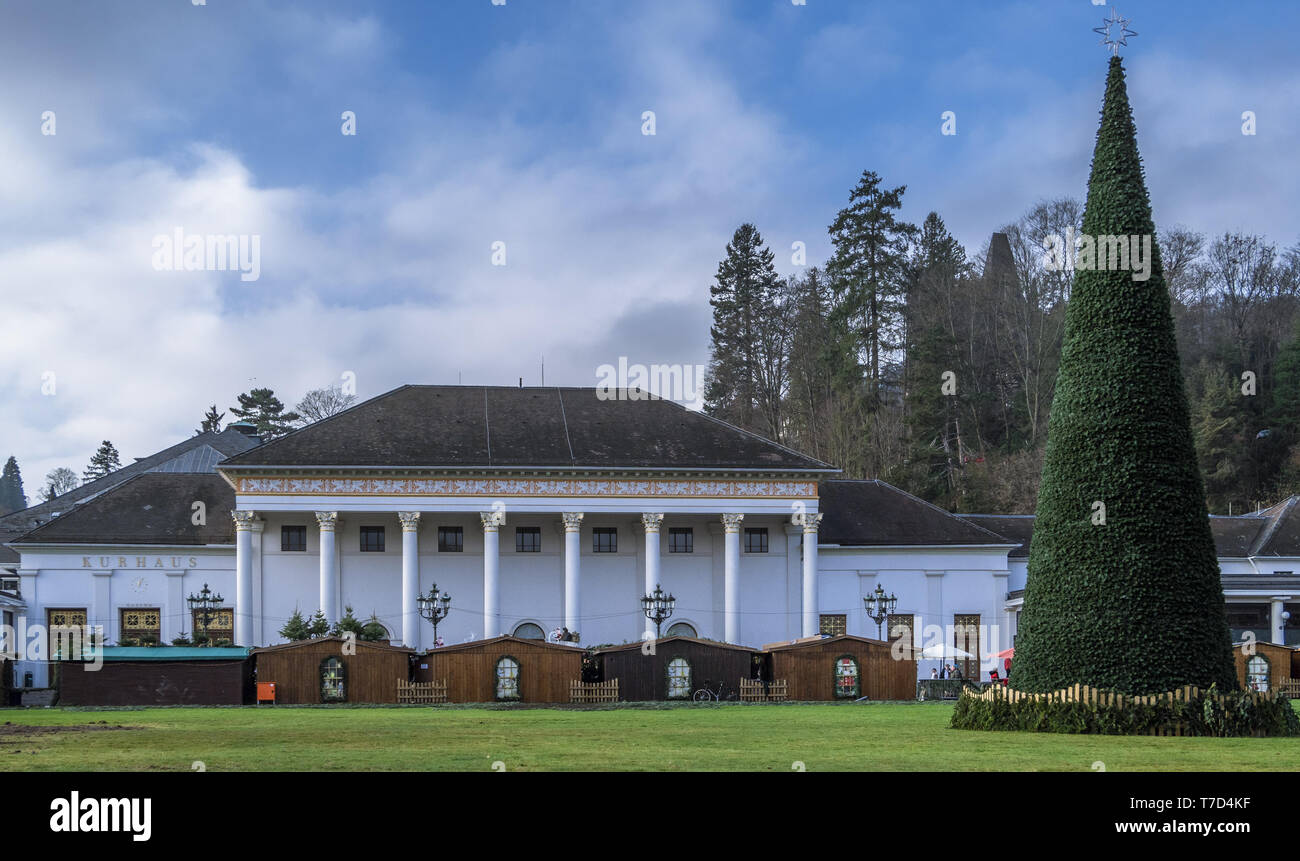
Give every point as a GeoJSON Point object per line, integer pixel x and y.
{"type": "Point", "coordinates": [175, 653]}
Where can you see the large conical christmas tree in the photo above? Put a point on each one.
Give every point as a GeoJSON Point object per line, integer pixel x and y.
{"type": "Point", "coordinates": [1126, 597]}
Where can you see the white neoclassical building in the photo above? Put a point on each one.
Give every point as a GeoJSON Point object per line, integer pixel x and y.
{"type": "Point", "coordinates": [536, 509]}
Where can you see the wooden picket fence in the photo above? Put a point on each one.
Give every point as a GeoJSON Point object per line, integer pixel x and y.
{"type": "Point", "coordinates": [754, 691]}
{"type": "Point", "coordinates": [593, 692]}
{"type": "Point", "coordinates": [1098, 698]}
{"type": "Point", "coordinates": [421, 692]}
{"type": "Point", "coordinates": [1290, 687]}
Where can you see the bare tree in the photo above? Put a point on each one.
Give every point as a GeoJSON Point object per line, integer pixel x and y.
{"type": "Point", "coordinates": [322, 403]}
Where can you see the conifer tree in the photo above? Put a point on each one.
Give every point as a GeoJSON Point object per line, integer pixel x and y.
{"type": "Point", "coordinates": [264, 409]}
{"type": "Point", "coordinates": [296, 628]}
{"type": "Point", "coordinates": [1123, 590]}
{"type": "Point", "coordinates": [106, 460]}
{"type": "Point", "coordinates": [12, 496]}
{"type": "Point", "coordinates": [211, 421]}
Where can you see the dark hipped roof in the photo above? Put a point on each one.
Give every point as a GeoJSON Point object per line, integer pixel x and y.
{"type": "Point", "coordinates": [199, 453]}
{"type": "Point", "coordinates": [666, 640]}
{"type": "Point", "coordinates": [1016, 528]}
{"type": "Point", "coordinates": [153, 508]}
{"type": "Point", "coordinates": [871, 513]}
{"type": "Point", "coordinates": [477, 426]}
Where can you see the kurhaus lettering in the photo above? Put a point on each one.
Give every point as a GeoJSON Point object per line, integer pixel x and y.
{"type": "Point", "coordinates": [140, 562]}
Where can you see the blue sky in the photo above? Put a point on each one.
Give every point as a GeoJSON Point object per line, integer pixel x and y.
{"type": "Point", "coordinates": [522, 124]}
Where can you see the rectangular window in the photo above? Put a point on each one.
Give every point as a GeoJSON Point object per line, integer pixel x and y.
{"type": "Point", "coordinates": [681, 539]}
{"type": "Point", "coordinates": [966, 636]}
{"type": "Point", "coordinates": [219, 625]}
{"type": "Point", "coordinates": [372, 539]}
{"type": "Point", "coordinates": [833, 625]}
{"type": "Point", "coordinates": [528, 539]}
{"type": "Point", "coordinates": [293, 538]}
{"type": "Point", "coordinates": [604, 539]}
{"type": "Point", "coordinates": [451, 539]}
{"type": "Point", "coordinates": [899, 626]}
{"type": "Point", "coordinates": [67, 633]}
{"type": "Point", "coordinates": [756, 540]}
{"type": "Point", "coordinates": [139, 623]}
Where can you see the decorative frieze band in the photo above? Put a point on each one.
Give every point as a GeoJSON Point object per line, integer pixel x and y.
{"type": "Point", "coordinates": [494, 487]}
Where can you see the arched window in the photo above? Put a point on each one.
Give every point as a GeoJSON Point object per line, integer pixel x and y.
{"type": "Point", "coordinates": [333, 681]}
{"type": "Point", "coordinates": [529, 631]}
{"type": "Point", "coordinates": [1257, 675]}
{"type": "Point", "coordinates": [507, 678]}
{"type": "Point", "coordinates": [679, 679]}
{"type": "Point", "coordinates": [847, 681]}
{"type": "Point", "coordinates": [682, 629]}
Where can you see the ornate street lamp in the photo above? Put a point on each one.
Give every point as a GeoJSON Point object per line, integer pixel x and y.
{"type": "Point", "coordinates": [658, 607]}
{"type": "Point", "coordinates": [434, 607]}
{"type": "Point", "coordinates": [879, 606]}
{"type": "Point", "coordinates": [204, 606]}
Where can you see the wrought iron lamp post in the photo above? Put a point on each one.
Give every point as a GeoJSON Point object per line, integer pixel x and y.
{"type": "Point", "coordinates": [434, 607]}
{"type": "Point", "coordinates": [204, 606]}
{"type": "Point", "coordinates": [879, 606]}
{"type": "Point", "coordinates": [658, 607]}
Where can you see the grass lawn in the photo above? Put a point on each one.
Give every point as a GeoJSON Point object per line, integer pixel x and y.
{"type": "Point", "coordinates": [729, 737]}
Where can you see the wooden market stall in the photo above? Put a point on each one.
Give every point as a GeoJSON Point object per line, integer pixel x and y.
{"type": "Point", "coordinates": [1268, 669]}
{"type": "Point", "coordinates": [678, 667]}
{"type": "Point", "coordinates": [503, 669]}
{"type": "Point", "coordinates": [321, 670]}
{"type": "Point", "coordinates": [842, 668]}
{"type": "Point", "coordinates": [157, 676]}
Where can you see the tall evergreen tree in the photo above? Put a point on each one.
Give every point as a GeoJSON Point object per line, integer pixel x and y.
{"type": "Point", "coordinates": [264, 409]}
{"type": "Point", "coordinates": [743, 294]}
{"type": "Point", "coordinates": [106, 460]}
{"type": "Point", "coordinates": [12, 497]}
{"type": "Point", "coordinates": [211, 421]}
{"type": "Point", "coordinates": [869, 270]}
{"type": "Point", "coordinates": [1129, 597]}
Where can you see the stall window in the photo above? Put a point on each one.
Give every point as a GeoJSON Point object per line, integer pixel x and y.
{"type": "Point", "coordinates": [141, 624]}
{"type": "Point", "coordinates": [507, 678]}
{"type": "Point", "coordinates": [333, 681]}
{"type": "Point", "coordinates": [1257, 675]}
{"type": "Point", "coordinates": [679, 679]}
{"type": "Point", "coordinates": [847, 681]}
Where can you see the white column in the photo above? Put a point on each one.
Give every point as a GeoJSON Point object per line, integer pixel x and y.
{"type": "Point", "coordinates": [244, 522]}
{"type": "Point", "coordinates": [1278, 626]}
{"type": "Point", "coordinates": [410, 577]}
{"type": "Point", "coordinates": [651, 522]}
{"type": "Point", "coordinates": [492, 523]}
{"type": "Point", "coordinates": [731, 578]}
{"type": "Point", "coordinates": [572, 570]}
{"type": "Point", "coordinates": [811, 621]}
{"type": "Point", "coordinates": [329, 565]}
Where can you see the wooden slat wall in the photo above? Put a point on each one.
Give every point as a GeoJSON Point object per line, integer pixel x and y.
{"type": "Point", "coordinates": [372, 673]}
{"type": "Point", "coordinates": [643, 677]}
{"type": "Point", "coordinates": [162, 683]}
{"type": "Point", "coordinates": [1279, 663]}
{"type": "Point", "coordinates": [544, 673]}
{"type": "Point", "coordinates": [810, 670]}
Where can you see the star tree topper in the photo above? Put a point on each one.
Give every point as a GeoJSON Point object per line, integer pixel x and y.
{"type": "Point", "coordinates": [1114, 42]}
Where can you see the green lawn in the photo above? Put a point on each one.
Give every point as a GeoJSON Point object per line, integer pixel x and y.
{"type": "Point", "coordinates": [823, 737]}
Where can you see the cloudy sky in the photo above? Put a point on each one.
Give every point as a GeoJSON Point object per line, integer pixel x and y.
{"type": "Point", "coordinates": [522, 124]}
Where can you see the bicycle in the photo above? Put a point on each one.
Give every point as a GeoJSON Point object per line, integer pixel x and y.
{"type": "Point", "coordinates": [704, 694]}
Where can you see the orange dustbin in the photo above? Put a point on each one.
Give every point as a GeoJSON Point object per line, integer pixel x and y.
{"type": "Point", "coordinates": [266, 693]}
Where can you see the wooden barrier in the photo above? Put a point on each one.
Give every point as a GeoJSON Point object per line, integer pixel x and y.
{"type": "Point", "coordinates": [593, 692]}
{"type": "Point", "coordinates": [755, 691]}
{"type": "Point", "coordinates": [1291, 688]}
{"type": "Point", "coordinates": [422, 692]}
{"type": "Point", "coordinates": [1098, 698]}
